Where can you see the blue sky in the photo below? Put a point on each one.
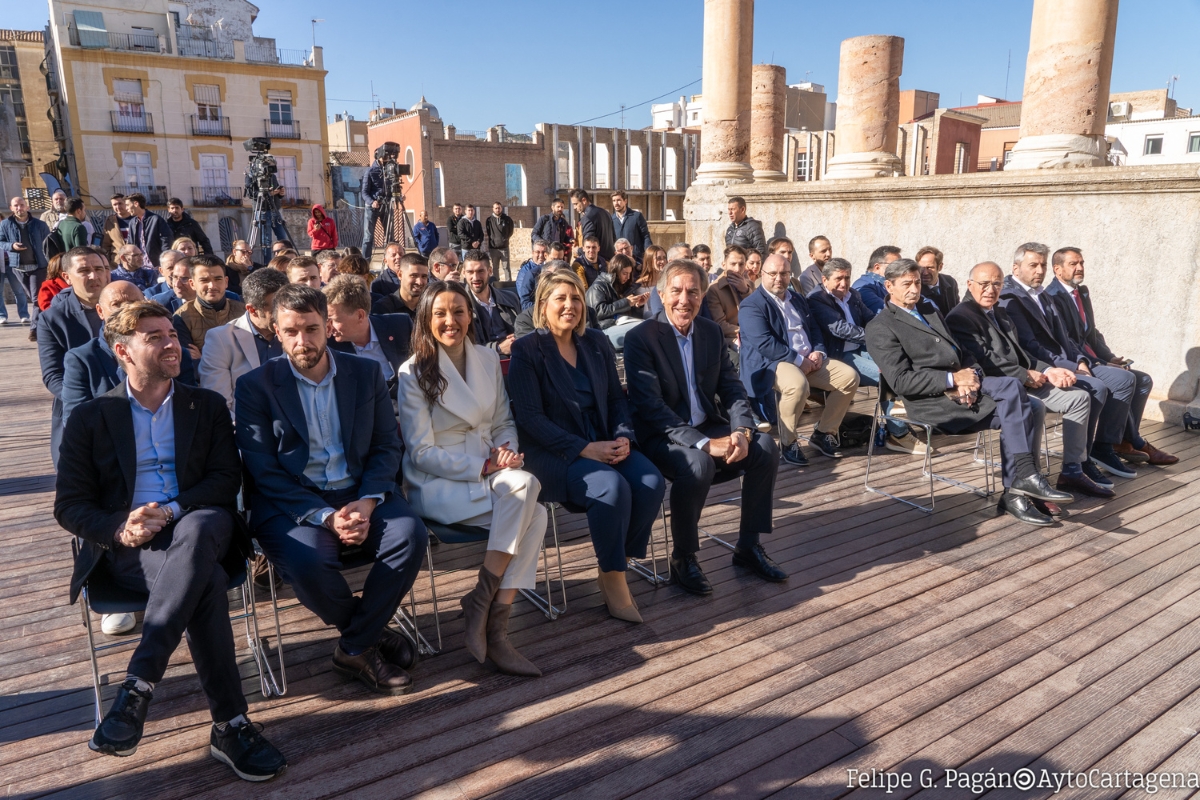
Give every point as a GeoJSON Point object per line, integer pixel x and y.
{"type": "Point", "coordinates": [520, 62]}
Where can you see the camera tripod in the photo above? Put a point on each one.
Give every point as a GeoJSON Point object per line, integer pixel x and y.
{"type": "Point", "coordinates": [260, 228]}
{"type": "Point", "coordinates": [389, 212]}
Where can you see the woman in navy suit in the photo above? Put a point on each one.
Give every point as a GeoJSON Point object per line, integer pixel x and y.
{"type": "Point", "coordinates": [573, 421]}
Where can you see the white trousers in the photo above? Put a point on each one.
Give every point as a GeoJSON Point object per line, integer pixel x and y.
{"type": "Point", "coordinates": [516, 525]}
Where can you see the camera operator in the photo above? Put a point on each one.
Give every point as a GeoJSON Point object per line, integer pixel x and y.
{"type": "Point", "coordinates": [261, 182]}
{"type": "Point", "coordinates": [375, 193]}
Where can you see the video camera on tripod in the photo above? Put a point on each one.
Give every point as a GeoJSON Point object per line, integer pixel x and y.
{"type": "Point", "coordinates": [395, 219]}
{"type": "Point", "coordinates": [386, 154]}
{"type": "Point", "coordinates": [261, 172]}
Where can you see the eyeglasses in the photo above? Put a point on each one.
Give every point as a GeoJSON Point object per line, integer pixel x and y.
{"type": "Point", "coordinates": [997, 285]}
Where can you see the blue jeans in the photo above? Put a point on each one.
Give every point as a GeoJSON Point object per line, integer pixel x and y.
{"type": "Point", "coordinates": [370, 217]}
{"type": "Point", "coordinates": [868, 375]}
{"type": "Point", "coordinates": [13, 278]}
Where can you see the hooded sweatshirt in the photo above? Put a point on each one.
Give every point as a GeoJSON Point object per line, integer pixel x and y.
{"type": "Point", "coordinates": [323, 232]}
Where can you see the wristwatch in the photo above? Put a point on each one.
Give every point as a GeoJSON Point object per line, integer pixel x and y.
{"type": "Point", "coordinates": [746, 432]}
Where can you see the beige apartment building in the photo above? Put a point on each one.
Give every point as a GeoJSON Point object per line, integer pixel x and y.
{"type": "Point", "coordinates": [25, 88]}
{"type": "Point", "coordinates": [159, 100]}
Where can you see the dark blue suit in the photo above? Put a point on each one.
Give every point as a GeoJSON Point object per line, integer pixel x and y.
{"type": "Point", "coordinates": [272, 433]}
{"type": "Point", "coordinates": [835, 328]}
{"type": "Point", "coordinates": [61, 327]}
{"type": "Point", "coordinates": [394, 332]}
{"type": "Point", "coordinates": [635, 229]}
{"type": "Point", "coordinates": [658, 395]}
{"type": "Point", "coordinates": [621, 500]}
{"type": "Point", "coordinates": [91, 370]}
{"type": "Point", "coordinates": [765, 343]}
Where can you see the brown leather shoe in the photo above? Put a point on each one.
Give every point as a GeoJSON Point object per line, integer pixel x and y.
{"type": "Point", "coordinates": [397, 649]}
{"type": "Point", "coordinates": [1128, 452]}
{"type": "Point", "coordinates": [261, 572]}
{"type": "Point", "coordinates": [500, 650]}
{"type": "Point", "coordinates": [1158, 457]}
{"type": "Point", "coordinates": [370, 669]}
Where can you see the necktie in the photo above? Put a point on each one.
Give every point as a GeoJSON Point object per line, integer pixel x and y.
{"type": "Point", "coordinates": [1083, 318]}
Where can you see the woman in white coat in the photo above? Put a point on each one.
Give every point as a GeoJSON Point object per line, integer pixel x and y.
{"type": "Point", "coordinates": [462, 464]}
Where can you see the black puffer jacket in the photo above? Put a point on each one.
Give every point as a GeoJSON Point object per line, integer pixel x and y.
{"type": "Point", "coordinates": [608, 302]}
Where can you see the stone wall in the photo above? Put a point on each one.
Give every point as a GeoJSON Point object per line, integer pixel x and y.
{"type": "Point", "coordinates": [1138, 228]}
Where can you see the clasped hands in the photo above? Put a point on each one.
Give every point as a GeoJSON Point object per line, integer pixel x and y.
{"type": "Point", "coordinates": [732, 448]}
{"type": "Point", "coordinates": [143, 524]}
{"type": "Point", "coordinates": [967, 385]}
{"type": "Point", "coordinates": [502, 458]}
{"type": "Point", "coordinates": [352, 522]}
{"type": "Point", "coordinates": [812, 362]}
{"type": "Point", "coordinates": [613, 452]}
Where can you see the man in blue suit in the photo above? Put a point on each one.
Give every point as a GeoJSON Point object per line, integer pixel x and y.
{"type": "Point", "coordinates": [783, 350]}
{"type": "Point", "coordinates": [318, 437]}
{"type": "Point", "coordinates": [383, 338]}
{"type": "Point", "coordinates": [629, 224]}
{"type": "Point", "coordinates": [870, 285]}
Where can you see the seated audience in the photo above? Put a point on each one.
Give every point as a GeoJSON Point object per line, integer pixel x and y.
{"type": "Point", "coordinates": [159, 513]}
{"type": "Point", "coordinates": [130, 267]}
{"type": "Point", "coordinates": [984, 330]}
{"type": "Point", "coordinates": [574, 422]}
{"type": "Point", "coordinates": [389, 277]}
{"type": "Point", "coordinates": [693, 422]}
{"type": "Point", "coordinates": [185, 245]}
{"type": "Point", "coordinates": [783, 351]}
{"type": "Point", "coordinates": [1042, 332]}
{"type": "Point", "coordinates": [625, 248]}
{"type": "Point", "coordinates": [494, 309]}
{"type": "Point", "coordinates": [724, 296]}
{"type": "Point", "coordinates": [820, 251]}
{"type": "Point", "coordinates": [304, 270]}
{"type": "Point", "coordinates": [281, 261]}
{"type": "Point", "coordinates": [327, 264]}
{"type": "Point", "coordinates": [613, 299]}
{"type": "Point", "coordinates": [444, 264]}
{"type": "Point", "coordinates": [318, 436]}
{"type": "Point", "coordinates": [870, 285]}
{"type": "Point", "coordinates": [462, 465]}
{"type": "Point", "coordinates": [1075, 306]}
{"type": "Point", "coordinates": [702, 255]}
{"type": "Point", "coordinates": [238, 265]}
{"type": "Point", "coordinates": [210, 308]}
{"type": "Point", "coordinates": [414, 275]}
{"type": "Point", "coordinates": [588, 265]}
{"type": "Point", "coordinates": [248, 342]}
{"type": "Point", "coordinates": [383, 338]}
{"type": "Point", "coordinates": [161, 291]}
{"type": "Point", "coordinates": [527, 275]}
{"type": "Point", "coordinates": [939, 291]}
{"type": "Point", "coordinates": [940, 385]}
{"type": "Point", "coordinates": [754, 262]}
{"type": "Point", "coordinates": [523, 324]}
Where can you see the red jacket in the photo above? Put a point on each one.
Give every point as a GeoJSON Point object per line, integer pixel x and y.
{"type": "Point", "coordinates": [48, 290]}
{"type": "Point", "coordinates": [324, 233]}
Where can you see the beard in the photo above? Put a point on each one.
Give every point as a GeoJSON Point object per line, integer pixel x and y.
{"type": "Point", "coordinates": [307, 357]}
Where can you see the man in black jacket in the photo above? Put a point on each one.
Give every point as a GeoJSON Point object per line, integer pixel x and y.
{"type": "Point", "coordinates": [940, 385]}
{"type": "Point", "coordinates": [746, 232]}
{"type": "Point", "coordinates": [629, 224]}
{"type": "Point", "coordinates": [182, 224]}
{"type": "Point", "coordinates": [499, 231]}
{"type": "Point", "coordinates": [147, 230]}
{"type": "Point", "coordinates": [938, 291]}
{"type": "Point", "coordinates": [693, 419]}
{"type": "Point", "coordinates": [148, 484]}
{"type": "Point", "coordinates": [552, 228]}
{"type": "Point", "coordinates": [452, 238]}
{"type": "Point", "coordinates": [373, 194]}
{"type": "Point", "coordinates": [593, 221]}
{"type": "Point", "coordinates": [470, 232]}
{"type": "Point", "coordinates": [494, 309]}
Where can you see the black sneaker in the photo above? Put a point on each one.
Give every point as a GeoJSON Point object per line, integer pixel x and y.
{"type": "Point", "coordinates": [825, 443]}
{"type": "Point", "coordinates": [121, 729]}
{"type": "Point", "coordinates": [792, 455]}
{"type": "Point", "coordinates": [246, 752]}
{"type": "Point", "coordinates": [1093, 472]}
{"type": "Point", "coordinates": [1104, 457]}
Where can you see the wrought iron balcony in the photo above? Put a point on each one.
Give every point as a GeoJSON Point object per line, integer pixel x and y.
{"type": "Point", "coordinates": [210, 127]}
{"type": "Point", "coordinates": [215, 196]}
{"type": "Point", "coordinates": [132, 123]}
{"type": "Point", "coordinates": [283, 130]}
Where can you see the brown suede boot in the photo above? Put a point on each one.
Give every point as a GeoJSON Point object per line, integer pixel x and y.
{"type": "Point", "coordinates": [475, 606]}
{"type": "Point", "coordinates": [500, 651]}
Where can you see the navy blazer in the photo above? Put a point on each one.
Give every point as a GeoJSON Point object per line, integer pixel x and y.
{"type": "Point", "coordinates": [1082, 333]}
{"type": "Point", "coordinates": [635, 229]}
{"type": "Point", "coordinates": [394, 332]}
{"type": "Point", "coordinates": [1042, 335]}
{"type": "Point", "coordinates": [765, 342]}
{"type": "Point", "coordinates": [92, 370]}
{"type": "Point", "coordinates": [834, 327]}
{"type": "Point", "coordinates": [545, 405]}
{"type": "Point", "coordinates": [272, 434]}
{"type": "Point", "coordinates": [945, 298]}
{"type": "Point", "coordinates": [156, 232]}
{"type": "Point", "coordinates": [98, 469]}
{"type": "Point", "coordinates": [385, 283]}
{"type": "Point", "coordinates": [658, 391]}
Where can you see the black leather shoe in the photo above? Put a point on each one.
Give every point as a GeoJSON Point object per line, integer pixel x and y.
{"type": "Point", "coordinates": [121, 729]}
{"type": "Point", "coordinates": [397, 649]}
{"type": "Point", "coordinates": [244, 750]}
{"type": "Point", "coordinates": [1093, 472]}
{"type": "Point", "coordinates": [1035, 486]}
{"type": "Point", "coordinates": [370, 669]}
{"type": "Point", "coordinates": [756, 560]}
{"type": "Point", "coordinates": [689, 576]}
{"type": "Point", "coordinates": [1083, 484]}
{"type": "Point", "coordinates": [793, 455]}
{"type": "Point", "coordinates": [1023, 509]}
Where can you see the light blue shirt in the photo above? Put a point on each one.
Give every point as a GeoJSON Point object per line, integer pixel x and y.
{"type": "Point", "coordinates": [374, 351]}
{"type": "Point", "coordinates": [689, 370]}
{"type": "Point", "coordinates": [326, 466]}
{"type": "Point", "coordinates": [154, 445]}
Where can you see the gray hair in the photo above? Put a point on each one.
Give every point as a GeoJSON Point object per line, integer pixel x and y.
{"type": "Point", "coordinates": [835, 265]}
{"type": "Point", "coordinates": [1031, 247]}
{"type": "Point", "coordinates": [899, 268]}
{"type": "Point", "coordinates": [174, 255]}
{"type": "Point", "coordinates": [555, 263]}
{"type": "Point", "coordinates": [622, 240]}
{"type": "Point", "coordinates": [677, 266]}
{"type": "Point", "coordinates": [676, 247]}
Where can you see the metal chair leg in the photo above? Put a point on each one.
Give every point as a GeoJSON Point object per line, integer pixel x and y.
{"type": "Point", "coordinates": [87, 623]}
{"type": "Point", "coordinates": [651, 573]}
{"type": "Point", "coordinates": [437, 616]}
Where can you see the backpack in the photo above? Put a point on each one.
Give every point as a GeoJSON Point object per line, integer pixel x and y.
{"type": "Point", "coordinates": [855, 430]}
{"type": "Point", "coordinates": [53, 244]}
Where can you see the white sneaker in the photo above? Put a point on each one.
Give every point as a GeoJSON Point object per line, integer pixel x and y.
{"type": "Point", "coordinates": [3, 320]}
{"type": "Point", "coordinates": [24, 320]}
{"type": "Point", "coordinates": [114, 624]}
{"type": "Point", "coordinates": [763, 426]}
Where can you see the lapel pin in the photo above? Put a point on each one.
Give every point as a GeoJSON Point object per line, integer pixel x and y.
{"type": "Point", "coordinates": [192, 406]}
{"type": "Point", "coordinates": [391, 338]}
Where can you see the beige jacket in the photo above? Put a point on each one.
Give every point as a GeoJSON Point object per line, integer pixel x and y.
{"type": "Point", "coordinates": [200, 320]}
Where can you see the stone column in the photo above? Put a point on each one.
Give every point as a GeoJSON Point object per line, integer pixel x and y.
{"type": "Point", "coordinates": [768, 101]}
{"type": "Point", "coordinates": [1065, 104]}
{"type": "Point", "coordinates": [868, 108]}
{"type": "Point", "coordinates": [725, 129]}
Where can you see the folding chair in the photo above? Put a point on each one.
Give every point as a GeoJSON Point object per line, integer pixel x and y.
{"type": "Point", "coordinates": [101, 595]}
{"type": "Point", "coordinates": [988, 460]}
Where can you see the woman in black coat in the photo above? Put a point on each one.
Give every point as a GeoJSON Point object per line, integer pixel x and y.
{"type": "Point", "coordinates": [573, 424]}
{"type": "Point", "coordinates": [611, 296]}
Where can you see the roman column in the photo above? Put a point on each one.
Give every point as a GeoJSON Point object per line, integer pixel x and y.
{"type": "Point", "coordinates": [768, 101]}
{"type": "Point", "coordinates": [725, 128]}
{"type": "Point", "coordinates": [868, 108]}
{"type": "Point", "coordinates": [1065, 104]}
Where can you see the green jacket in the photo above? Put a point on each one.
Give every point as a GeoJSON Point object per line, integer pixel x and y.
{"type": "Point", "coordinates": [73, 233]}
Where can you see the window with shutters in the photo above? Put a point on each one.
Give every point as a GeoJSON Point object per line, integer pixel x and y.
{"type": "Point", "coordinates": [129, 99]}
{"type": "Point", "coordinates": [288, 178]}
{"type": "Point", "coordinates": [89, 26]}
{"type": "Point", "coordinates": [280, 104]}
{"type": "Point", "coordinates": [208, 109]}
{"type": "Point", "coordinates": [138, 172]}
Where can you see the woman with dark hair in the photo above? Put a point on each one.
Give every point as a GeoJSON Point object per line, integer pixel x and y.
{"type": "Point", "coordinates": [355, 265]}
{"type": "Point", "coordinates": [54, 283]}
{"type": "Point", "coordinates": [611, 296]}
{"type": "Point", "coordinates": [462, 464]}
{"type": "Point", "coordinates": [572, 415]}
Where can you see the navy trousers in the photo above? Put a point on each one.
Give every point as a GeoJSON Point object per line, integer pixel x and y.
{"type": "Point", "coordinates": [1137, 406]}
{"type": "Point", "coordinates": [311, 559]}
{"type": "Point", "coordinates": [1015, 417]}
{"type": "Point", "coordinates": [622, 501]}
{"type": "Point", "coordinates": [181, 571]}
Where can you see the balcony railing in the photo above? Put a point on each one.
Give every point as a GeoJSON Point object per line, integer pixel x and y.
{"type": "Point", "coordinates": [204, 48]}
{"type": "Point", "coordinates": [212, 196]}
{"type": "Point", "coordinates": [283, 130]}
{"type": "Point", "coordinates": [141, 42]}
{"type": "Point", "coordinates": [155, 195]}
{"type": "Point", "coordinates": [296, 196]}
{"type": "Point", "coordinates": [210, 127]}
{"type": "Point", "coordinates": [132, 123]}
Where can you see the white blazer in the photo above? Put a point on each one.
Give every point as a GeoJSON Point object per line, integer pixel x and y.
{"type": "Point", "coordinates": [446, 444]}
{"type": "Point", "coordinates": [229, 353]}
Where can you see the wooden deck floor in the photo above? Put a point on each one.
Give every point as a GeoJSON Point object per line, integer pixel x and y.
{"type": "Point", "coordinates": [902, 642]}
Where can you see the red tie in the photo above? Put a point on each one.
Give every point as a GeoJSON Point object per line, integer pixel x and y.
{"type": "Point", "coordinates": [1083, 318]}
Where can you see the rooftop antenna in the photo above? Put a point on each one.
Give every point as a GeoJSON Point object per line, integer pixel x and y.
{"type": "Point", "coordinates": [1007, 71]}
{"type": "Point", "coordinates": [1171, 86]}
{"type": "Point", "coordinates": [314, 30]}
{"type": "Point", "coordinates": [622, 115]}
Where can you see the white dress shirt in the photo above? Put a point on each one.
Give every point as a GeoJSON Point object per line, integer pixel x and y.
{"type": "Point", "coordinates": [374, 351]}
{"type": "Point", "coordinates": [797, 335]}
{"type": "Point", "coordinates": [849, 315]}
